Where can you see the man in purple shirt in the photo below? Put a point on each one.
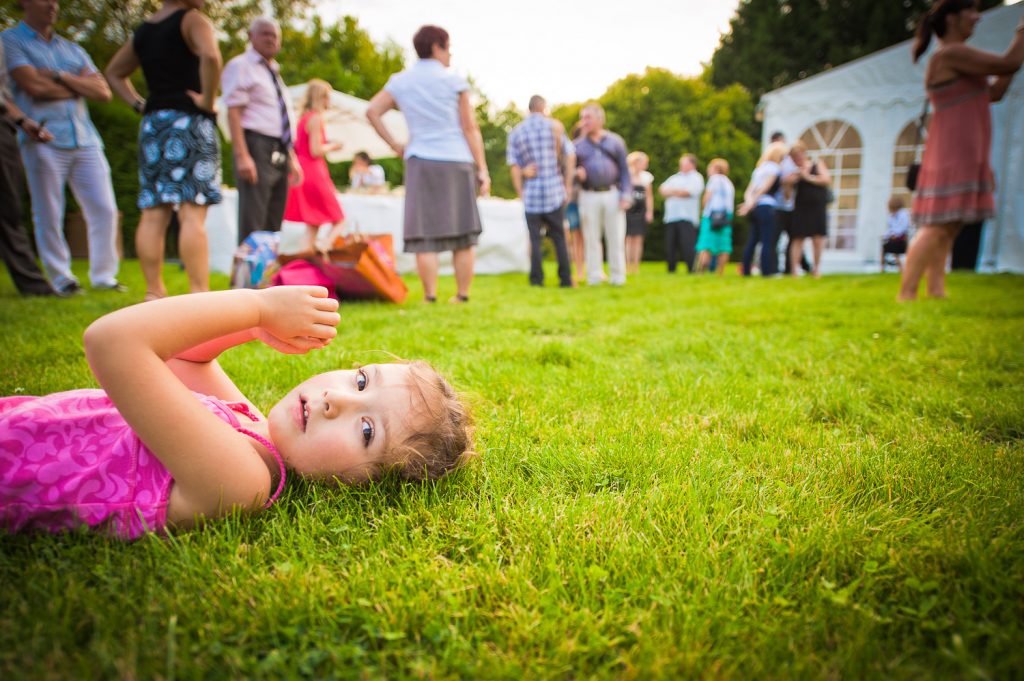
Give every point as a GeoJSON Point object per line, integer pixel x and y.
{"type": "Point", "coordinates": [605, 194]}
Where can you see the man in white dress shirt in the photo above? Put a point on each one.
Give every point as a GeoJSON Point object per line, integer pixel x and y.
{"type": "Point", "coordinates": [261, 120]}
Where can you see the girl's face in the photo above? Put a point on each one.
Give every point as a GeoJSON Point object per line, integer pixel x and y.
{"type": "Point", "coordinates": [342, 423]}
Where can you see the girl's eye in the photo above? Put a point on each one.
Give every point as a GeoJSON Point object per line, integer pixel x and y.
{"type": "Point", "coordinates": [367, 428]}
{"type": "Point", "coordinates": [361, 380]}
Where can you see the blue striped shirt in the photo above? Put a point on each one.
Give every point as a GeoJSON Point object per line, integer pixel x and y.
{"type": "Point", "coordinates": [66, 119]}
{"type": "Point", "coordinates": [533, 142]}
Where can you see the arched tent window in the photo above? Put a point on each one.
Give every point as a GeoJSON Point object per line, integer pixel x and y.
{"type": "Point", "coordinates": [838, 144]}
{"type": "Point", "coordinates": [902, 156]}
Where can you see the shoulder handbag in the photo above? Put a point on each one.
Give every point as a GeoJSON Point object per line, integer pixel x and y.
{"type": "Point", "coordinates": [915, 167]}
{"type": "Point", "coordinates": [719, 219]}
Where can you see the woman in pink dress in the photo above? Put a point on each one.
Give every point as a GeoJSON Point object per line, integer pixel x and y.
{"type": "Point", "coordinates": [314, 202]}
{"type": "Point", "coordinates": [955, 183]}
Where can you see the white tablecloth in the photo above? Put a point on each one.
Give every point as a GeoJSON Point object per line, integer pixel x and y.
{"type": "Point", "coordinates": [504, 244]}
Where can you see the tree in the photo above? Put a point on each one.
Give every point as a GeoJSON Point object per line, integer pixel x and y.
{"type": "Point", "coordinates": [343, 54]}
{"type": "Point", "coordinates": [772, 43]}
{"type": "Point", "coordinates": [102, 26]}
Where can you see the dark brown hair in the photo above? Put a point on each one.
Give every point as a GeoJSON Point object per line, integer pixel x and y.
{"type": "Point", "coordinates": [935, 22]}
{"type": "Point", "coordinates": [426, 38]}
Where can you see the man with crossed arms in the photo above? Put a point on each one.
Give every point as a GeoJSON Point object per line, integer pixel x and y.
{"type": "Point", "coordinates": [52, 79]}
{"type": "Point", "coordinates": [536, 148]}
{"type": "Point", "coordinates": [605, 194]}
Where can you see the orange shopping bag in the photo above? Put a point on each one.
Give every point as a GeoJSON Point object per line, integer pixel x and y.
{"type": "Point", "coordinates": [363, 267]}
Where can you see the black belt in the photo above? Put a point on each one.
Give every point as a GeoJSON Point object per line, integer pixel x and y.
{"type": "Point", "coordinates": [598, 188]}
{"type": "Point", "coordinates": [269, 138]}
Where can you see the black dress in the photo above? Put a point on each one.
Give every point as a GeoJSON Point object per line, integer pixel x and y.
{"type": "Point", "coordinates": [636, 216]}
{"type": "Point", "coordinates": [810, 209]}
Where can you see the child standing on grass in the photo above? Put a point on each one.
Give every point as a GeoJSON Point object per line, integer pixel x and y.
{"type": "Point", "coordinates": [896, 233]}
{"type": "Point", "coordinates": [170, 440]}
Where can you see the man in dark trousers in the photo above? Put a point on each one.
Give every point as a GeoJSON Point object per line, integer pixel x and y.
{"type": "Point", "coordinates": [537, 155]}
{"type": "Point", "coordinates": [260, 119]}
{"type": "Point", "coordinates": [14, 244]}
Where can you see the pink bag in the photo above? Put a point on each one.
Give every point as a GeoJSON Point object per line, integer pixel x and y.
{"type": "Point", "coordinates": [304, 273]}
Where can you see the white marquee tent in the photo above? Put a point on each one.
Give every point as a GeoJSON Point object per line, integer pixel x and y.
{"type": "Point", "coordinates": [860, 118]}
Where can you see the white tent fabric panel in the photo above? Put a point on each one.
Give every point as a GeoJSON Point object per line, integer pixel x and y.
{"type": "Point", "coordinates": [879, 95]}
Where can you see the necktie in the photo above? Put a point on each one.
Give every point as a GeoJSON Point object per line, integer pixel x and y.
{"type": "Point", "coordinates": [286, 126]}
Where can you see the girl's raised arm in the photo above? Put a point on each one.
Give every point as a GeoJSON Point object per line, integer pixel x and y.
{"type": "Point", "coordinates": [213, 467]}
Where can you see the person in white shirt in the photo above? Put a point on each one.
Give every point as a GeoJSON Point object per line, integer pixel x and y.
{"type": "Point", "coordinates": [682, 212]}
{"type": "Point", "coordinates": [445, 165]}
{"type": "Point", "coordinates": [759, 201]}
{"type": "Point", "coordinates": [715, 236]}
{"type": "Point", "coordinates": [641, 213]}
{"type": "Point", "coordinates": [365, 174]}
{"type": "Point", "coordinates": [897, 231]}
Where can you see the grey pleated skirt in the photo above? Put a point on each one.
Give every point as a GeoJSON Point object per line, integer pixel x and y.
{"type": "Point", "coordinates": [440, 206]}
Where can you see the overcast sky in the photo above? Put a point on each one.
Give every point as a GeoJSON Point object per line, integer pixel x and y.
{"type": "Point", "coordinates": [517, 48]}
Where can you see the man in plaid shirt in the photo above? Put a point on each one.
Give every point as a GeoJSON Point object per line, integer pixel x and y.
{"type": "Point", "coordinates": [538, 152]}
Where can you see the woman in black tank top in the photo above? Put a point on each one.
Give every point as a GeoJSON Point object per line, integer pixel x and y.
{"type": "Point", "coordinates": [179, 151]}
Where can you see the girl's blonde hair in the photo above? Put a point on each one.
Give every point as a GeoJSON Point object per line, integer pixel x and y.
{"type": "Point", "coordinates": [718, 165]}
{"type": "Point", "coordinates": [895, 203]}
{"type": "Point", "coordinates": [634, 158]}
{"type": "Point", "coordinates": [774, 152]}
{"type": "Point", "coordinates": [315, 89]}
{"type": "Point", "coordinates": [444, 440]}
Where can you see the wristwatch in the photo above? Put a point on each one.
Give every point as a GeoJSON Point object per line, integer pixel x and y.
{"type": "Point", "coordinates": [139, 105]}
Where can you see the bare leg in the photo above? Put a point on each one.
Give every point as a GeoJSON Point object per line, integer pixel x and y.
{"type": "Point", "coordinates": [194, 246]}
{"type": "Point", "coordinates": [796, 252]}
{"type": "Point", "coordinates": [576, 248]}
{"type": "Point", "coordinates": [149, 244]}
{"type": "Point", "coordinates": [703, 260]}
{"type": "Point", "coordinates": [426, 265]}
{"type": "Point", "coordinates": [463, 262]}
{"type": "Point", "coordinates": [919, 255]}
{"type": "Point", "coordinates": [817, 245]}
{"type": "Point", "coordinates": [630, 248]}
{"type": "Point", "coordinates": [723, 262]}
{"type": "Point", "coordinates": [935, 272]}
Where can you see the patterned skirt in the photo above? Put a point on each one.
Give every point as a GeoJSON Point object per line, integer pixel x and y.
{"type": "Point", "coordinates": [179, 159]}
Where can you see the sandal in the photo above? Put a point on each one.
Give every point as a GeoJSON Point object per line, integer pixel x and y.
{"type": "Point", "coordinates": [429, 299]}
{"type": "Point", "coordinates": [458, 298]}
{"type": "Point", "coordinates": [152, 296]}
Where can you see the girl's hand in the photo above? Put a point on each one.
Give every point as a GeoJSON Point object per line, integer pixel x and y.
{"type": "Point", "coordinates": [296, 319]}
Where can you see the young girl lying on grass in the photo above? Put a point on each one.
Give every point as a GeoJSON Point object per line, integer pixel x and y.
{"type": "Point", "coordinates": [170, 440]}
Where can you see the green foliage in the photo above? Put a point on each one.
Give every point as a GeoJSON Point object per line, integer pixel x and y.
{"type": "Point", "coordinates": [687, 477]}
{"type": "Point", "coordinates": [342, 54]}
{"type": "Point", "coordinates": [118, 125]}
{"type": "Point", "coordinates": [102, 26]}
{"type": "Point", "coordinates": [494, 128]}
{"type": "Point", "coordinates": [665, 116]}
{"type": "Point", "coordinates": [771, 43]}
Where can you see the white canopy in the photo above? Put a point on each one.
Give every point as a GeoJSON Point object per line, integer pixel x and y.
{"type": "Point", "coordinates": [345, 122]}
{"type": "Point", "coordinates": [878, 96]}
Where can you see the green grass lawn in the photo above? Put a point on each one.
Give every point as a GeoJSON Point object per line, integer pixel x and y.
{"type": "Point", "coordinates": [685, 477]}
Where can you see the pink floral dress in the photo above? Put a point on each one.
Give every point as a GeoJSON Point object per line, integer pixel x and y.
{"type": "Point", "coordinates": [69, 459]}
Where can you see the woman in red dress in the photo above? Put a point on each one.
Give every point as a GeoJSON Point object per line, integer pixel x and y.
{"type": "Point", "coordinates": [314, 202]}
{"type": "Point", "coordinates": [955, 183]}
